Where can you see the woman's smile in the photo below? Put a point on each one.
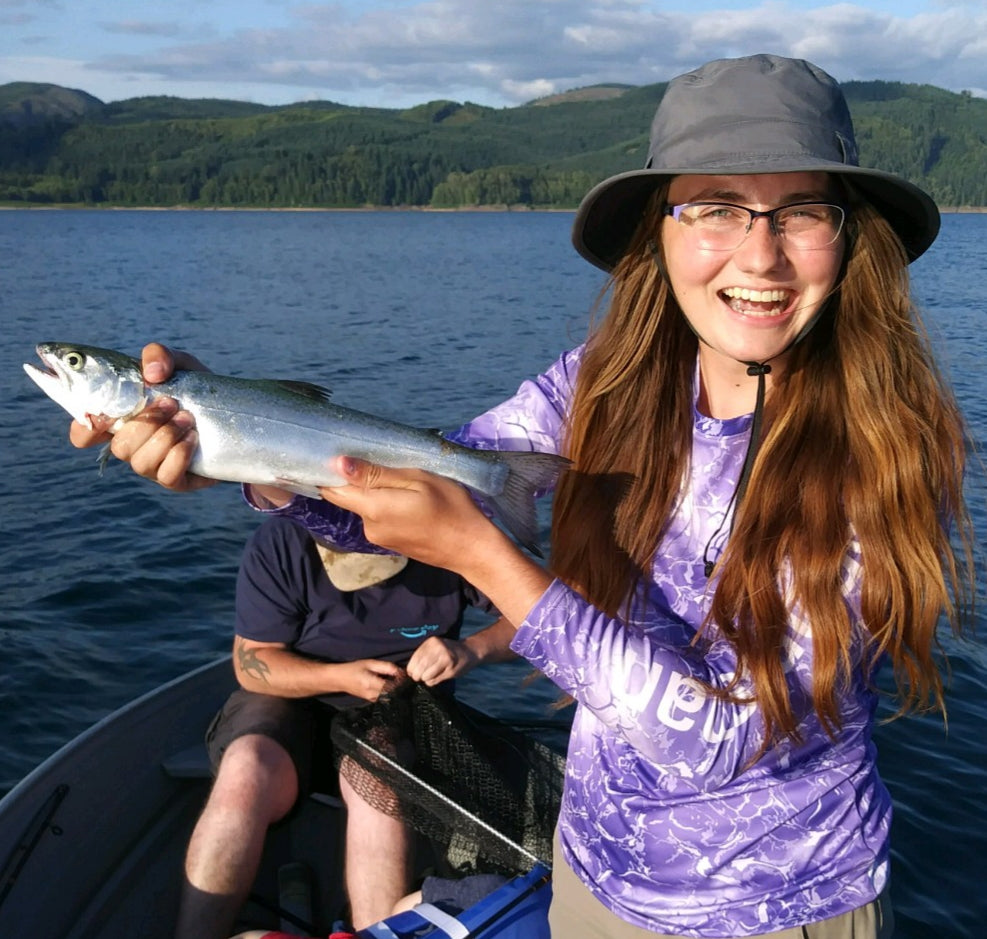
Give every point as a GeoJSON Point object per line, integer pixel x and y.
{"type": "Point", "coordinates": [757, 303]}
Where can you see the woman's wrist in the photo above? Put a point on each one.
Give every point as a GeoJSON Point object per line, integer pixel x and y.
{"type": "Point", "coordinates": [502, 572]}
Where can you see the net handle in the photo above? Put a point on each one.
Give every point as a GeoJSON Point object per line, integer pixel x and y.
{"type": "Point", "coordinates": [476, 820]}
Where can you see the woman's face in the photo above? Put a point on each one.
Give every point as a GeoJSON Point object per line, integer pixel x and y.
{"type": "Point", "coordinates": [749, 303]}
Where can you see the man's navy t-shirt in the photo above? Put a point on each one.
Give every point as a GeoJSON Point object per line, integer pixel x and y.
{"type": "Point", "coordinates": [284, 595]}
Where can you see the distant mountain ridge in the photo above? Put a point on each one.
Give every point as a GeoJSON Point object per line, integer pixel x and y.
{"type": "Point", "coordinates": [30, 102]}
{"type": "Point", "coordinates": [23, 102]}
{"type": "Point", "coordinates": [64, 146]}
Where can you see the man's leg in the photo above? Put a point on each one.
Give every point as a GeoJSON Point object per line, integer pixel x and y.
{"type": "Point", "coordinates": [255, 786]}
{"type": "Point", "coordinates": [378, 859]}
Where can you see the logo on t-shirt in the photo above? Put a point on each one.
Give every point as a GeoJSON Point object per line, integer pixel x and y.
{"type": "Point", "coordinates": [415, 632]}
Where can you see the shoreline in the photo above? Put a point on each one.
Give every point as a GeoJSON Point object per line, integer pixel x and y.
{"type": "Point", "coordinates": [64, 206]}
{"type": "Point", "coordinates": [519, 207]}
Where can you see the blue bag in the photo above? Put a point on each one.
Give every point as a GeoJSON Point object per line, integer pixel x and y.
{"type": "Point", "coordinates": [515, 910]}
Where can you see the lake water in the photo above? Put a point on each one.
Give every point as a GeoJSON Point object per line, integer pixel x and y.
{"type": "Point", "coordinates": [111, 586]}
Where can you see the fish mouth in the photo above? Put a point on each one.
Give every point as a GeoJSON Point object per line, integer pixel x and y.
{"type": "Point", "coordinates": [48, 363]}
{"type": "Point", "coordinates": [51, 378]}
{"type": "Point", "coordinates": [47, 374]}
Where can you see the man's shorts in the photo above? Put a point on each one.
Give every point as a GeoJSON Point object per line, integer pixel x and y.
{"type": "Point", "coordinates": [454, 895]}
{"type": "Point", "coordinates": [300, 725]}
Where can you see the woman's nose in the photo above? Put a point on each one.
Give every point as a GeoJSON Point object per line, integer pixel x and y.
{"type": "Point", "coordinates": [762, 249]}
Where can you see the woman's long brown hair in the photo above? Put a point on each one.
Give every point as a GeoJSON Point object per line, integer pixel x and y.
{"type": "Point", "coordinates": [862, 439]}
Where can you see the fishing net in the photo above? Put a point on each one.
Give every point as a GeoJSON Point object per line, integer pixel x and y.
{"type": "Point", "coordinates": [485, 793]}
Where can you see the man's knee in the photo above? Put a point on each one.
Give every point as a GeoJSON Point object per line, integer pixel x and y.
{"type": "Point", "coordinates": [257, 770]}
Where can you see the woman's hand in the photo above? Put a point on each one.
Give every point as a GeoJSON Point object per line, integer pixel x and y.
{"type": "Point", "coordinates": [435, 520]}
{"type": "Point", "coordinates": [413, 512]}
{"type": "Point", "coordinates": [160, 441]}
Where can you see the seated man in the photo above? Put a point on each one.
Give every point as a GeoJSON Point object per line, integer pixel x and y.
{"type": "Point", "coordinates": [317, 630]}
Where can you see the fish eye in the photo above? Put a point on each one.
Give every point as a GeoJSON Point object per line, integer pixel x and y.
{"type": "Point", "coordinates": [75, 361]}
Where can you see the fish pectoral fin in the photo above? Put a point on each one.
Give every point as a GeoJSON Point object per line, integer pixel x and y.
{"type": "Point", "coordinates": [305, 389]}
{"type": "Point", "coordinates": [102, 458]}
{"type": "Point", "coordinates": [301, 489]}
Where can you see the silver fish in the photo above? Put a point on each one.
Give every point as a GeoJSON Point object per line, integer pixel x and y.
{"type": "Point", "coordinates": [284, 433]}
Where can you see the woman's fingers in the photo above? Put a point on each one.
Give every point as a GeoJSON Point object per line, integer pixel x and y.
{"type": "Point", "coordinates": [416, 513]}
{"type": "Point", "coordinates": [159, 444]}
{"type": "Point", "coordinates": [158, 362]}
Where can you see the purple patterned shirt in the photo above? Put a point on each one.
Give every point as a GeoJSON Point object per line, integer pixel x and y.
{"type": "Point", "coordinates": [662, 817]}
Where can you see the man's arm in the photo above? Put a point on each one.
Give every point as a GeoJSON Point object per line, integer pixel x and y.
{"type": "Point", "coordinates": [273, 668]}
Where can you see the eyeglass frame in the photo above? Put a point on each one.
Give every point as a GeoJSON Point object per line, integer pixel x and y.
{"type": "Point", "coordinates": [675, 212]}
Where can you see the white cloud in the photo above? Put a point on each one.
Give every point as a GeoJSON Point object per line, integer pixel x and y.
{"type": "Point", "coordinates": [171, 30]}
{"type": "Point", "coordinates": [528, 91]}
{"type": "Point", "coordinates": [514, 50]}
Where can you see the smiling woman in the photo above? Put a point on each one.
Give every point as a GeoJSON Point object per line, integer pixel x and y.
{"type": "Point", "coordinates": [711, 615]}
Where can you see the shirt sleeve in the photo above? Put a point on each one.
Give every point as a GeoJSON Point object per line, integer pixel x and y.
{"type": "Point", "coordinates": [648, 692]}
{"type": "Point", "coordinates": [532, 419]}
{"type": "Point", "coordinates": [323, 520]}
{"type": "Point", "coordinates": [649, 687]}
{"type": "Point", "coordinates": [268, 591]}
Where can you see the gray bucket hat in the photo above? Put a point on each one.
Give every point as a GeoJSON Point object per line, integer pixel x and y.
{"type": "Point", "coordinates": [758, 114]}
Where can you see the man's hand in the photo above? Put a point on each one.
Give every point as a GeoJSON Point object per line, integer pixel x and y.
{"type": "Point", "coordinates": [437, 660]}
{"type": "Point", "coordinates": [367, 678]}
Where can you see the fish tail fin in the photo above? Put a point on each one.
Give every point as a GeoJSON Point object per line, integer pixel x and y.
{"type": "Point", "coordinates": [529, 474]}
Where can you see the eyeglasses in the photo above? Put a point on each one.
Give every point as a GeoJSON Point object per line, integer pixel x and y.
{"type": "Point", "coordinates": [720, 226]}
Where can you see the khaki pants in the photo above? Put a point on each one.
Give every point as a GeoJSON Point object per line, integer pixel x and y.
{"type": "Point", "coordinates": [576, 914]}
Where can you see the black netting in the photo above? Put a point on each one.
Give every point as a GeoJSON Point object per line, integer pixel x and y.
{"type": "Point", "coordinates": [486, 793]}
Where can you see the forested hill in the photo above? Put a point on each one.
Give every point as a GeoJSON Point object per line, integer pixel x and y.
{"type": "Point", "coordinates": [59, 146]}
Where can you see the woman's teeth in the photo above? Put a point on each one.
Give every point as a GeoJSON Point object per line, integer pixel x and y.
{"type": "Point", "coordinates": [739, 296]}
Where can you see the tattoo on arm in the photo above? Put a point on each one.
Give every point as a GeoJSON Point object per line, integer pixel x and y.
{"type": "Point", "coordinates": [250, 663]}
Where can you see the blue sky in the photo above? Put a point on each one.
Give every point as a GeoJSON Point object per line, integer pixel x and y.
{"type": "Point", "coordinates": [395, 53]}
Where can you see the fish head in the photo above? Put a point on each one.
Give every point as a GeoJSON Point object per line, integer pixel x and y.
{"type": "Point", "coordinates": [93, 385]}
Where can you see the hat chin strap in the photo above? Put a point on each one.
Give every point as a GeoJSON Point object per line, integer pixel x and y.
{"type": "Point", "coordinates": [758, 370]}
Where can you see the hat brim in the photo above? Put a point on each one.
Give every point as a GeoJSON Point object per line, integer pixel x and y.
{"type": "Point", "coordinates": [351, 570]}
{"type": "Point", "coordinates": [611, 210]}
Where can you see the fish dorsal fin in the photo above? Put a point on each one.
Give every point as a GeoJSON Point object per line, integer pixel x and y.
{"type": "Point", "coordinates": [304, 388]}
